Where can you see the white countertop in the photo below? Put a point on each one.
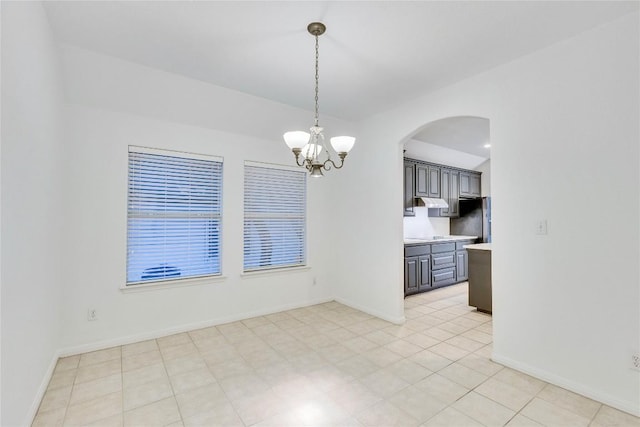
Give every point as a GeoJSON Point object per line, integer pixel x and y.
{"type": "Point", "coordinates": [437, 239]}
{"type": "Point", "coordinates": [479, 246]}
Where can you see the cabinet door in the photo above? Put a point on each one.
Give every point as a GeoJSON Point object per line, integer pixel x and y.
{"type": "Point", "coordinates": [462, 266]}
{"type": "Point", "coordinates": [434, 182]}
{"type": "Point", "coordinates": [470, 184]}
{"type": "Point", "coordinates": [445, 179]}
{"type": "Point", "coordinates": [411, 274]}
{"type": "Point", "coordinates": [465, 184]}
{"type": "Point", "coordinates": [454, 191]}
{"type": "Point", "coordinates": [422, 181]}
{"type": "Point", "coordinates": [408, 189]}
{"type": "Point", "coordinates": [475, 185]}
{"type": "Point", "coordinates": [424, 272]}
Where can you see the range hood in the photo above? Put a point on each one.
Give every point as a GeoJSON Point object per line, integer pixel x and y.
{"type": "Point", "coordinates": [434, 203]}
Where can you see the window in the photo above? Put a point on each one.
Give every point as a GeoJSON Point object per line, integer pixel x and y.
{"type": "Point", "coordinates": [174, 206]}
{"type": "Point", "coordinates": [275, 200]}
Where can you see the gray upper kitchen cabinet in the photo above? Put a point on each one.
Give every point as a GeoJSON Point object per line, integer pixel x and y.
{"type": "Point", "coordinates": [409, 190]}
{"type": "Point", "coordinates": [427, 181]}
{"type": "Point", "coordinates": [454, 194]}
{"type": "Point", "coordinates": [422, 181]}
{"type": "Point", "coordinates": [449, 191]}
{"type": "Point", "coordinates": [434, 181]}
{"type": "Point", "coordinates": [445, 190]}
{"type": "Point", "coordinates": [469, 184]}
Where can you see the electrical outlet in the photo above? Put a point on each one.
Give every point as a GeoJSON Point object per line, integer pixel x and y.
{"type": "Point", "coordinates": [92, 314]}
{"type": "Point", "coordinates": [635, 362]}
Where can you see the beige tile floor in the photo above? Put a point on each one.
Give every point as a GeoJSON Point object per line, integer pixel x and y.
{"type": "Point", "coordinates": [324, 365]}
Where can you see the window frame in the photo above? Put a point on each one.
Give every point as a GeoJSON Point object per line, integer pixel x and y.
{"type": "Point", "coordinates": [168, 282]}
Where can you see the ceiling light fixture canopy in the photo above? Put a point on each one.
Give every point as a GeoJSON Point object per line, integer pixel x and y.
{"type": "Point", "coordinates": [315, 155]}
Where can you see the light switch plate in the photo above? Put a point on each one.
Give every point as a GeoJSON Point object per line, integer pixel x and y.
{"type": "Point", "coordinates": [541, 227]}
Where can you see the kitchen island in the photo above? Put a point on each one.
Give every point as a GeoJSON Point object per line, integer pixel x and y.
{"type": "Point", "coordinates": [480, 276]}
{"type": "Point", "coordinates": [435, 261]}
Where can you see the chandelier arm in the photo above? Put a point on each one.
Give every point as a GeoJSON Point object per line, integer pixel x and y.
{"type": "Point", "coordinates": [296, 152]}
{"type": "Point", "coordinates": [341, 156]}
{"type": "Point", "coordinates": [326, 167]}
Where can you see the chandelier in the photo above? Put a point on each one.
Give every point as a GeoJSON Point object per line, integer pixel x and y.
{"type": "Point", "coordinates": [311, 147]}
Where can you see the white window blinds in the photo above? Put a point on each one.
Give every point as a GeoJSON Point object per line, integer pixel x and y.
{"type": "Point", "coordinates": [174, 206]}
{"type": "Point", "coordinates": [275, 201]}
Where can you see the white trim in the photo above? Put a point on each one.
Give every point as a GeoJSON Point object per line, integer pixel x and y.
{"type": "Point", "coordinates": [275, 166]}
{"type": "Point", "coordinates": [35, 405]}
{"type": "Point", "coordinates": [101, 345]}
{"type": "Point", "coordinates": [597, 395]}
{"type": "Point", "coordinates": [274, 271]}
{"type": "Point", "coordinates": [399, 320]}
{"type": "Point", "coordinates": [170, 284]}
{"type": "Point", "coordinates": [174, 153]}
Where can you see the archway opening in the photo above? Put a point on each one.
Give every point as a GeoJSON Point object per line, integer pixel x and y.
{"type": "Point", "coordinates": [447, 200]}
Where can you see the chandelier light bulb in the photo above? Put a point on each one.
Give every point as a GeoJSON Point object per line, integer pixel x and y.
{"type": "Point", "coordinates": [312, 151]}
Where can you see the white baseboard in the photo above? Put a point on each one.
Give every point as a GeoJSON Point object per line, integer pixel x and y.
{"type": "Point", "coordinates": [398, 320]}
{"type": "Point", "coordinates": [33, 410]}
{"type": "Point", "coordinates": [623, 405]}
{"type": "Point", "coordinates": [101, 345]}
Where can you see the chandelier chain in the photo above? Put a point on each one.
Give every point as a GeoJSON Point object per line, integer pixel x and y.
{"type": "Point", "coordinates": [316, 105]}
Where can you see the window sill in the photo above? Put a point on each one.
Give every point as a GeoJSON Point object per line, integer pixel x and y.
{"type": "Point", "coordinates": [171, 284]}
{"type": "Point", "coordinates": [274, 271]}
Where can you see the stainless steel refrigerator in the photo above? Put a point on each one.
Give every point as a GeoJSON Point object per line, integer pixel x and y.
{"type": "Point", "coordinates": [474, 220]}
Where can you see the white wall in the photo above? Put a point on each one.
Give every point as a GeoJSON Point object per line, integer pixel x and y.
{"type": "Point", "coordinates": [157, 109]}
{"type": "Point", "coordinates": [32, 208]}
{"type": "Point", "coordinates": [564, 130]}
{"type": "Point", "coordinates": [485, 178]}
{"type": "Point", "coordinates": [422, 226]}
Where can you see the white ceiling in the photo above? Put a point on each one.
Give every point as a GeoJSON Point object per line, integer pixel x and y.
{"type": "Point", "coordinates": [375, 54]}
{"type": "Point", "coordinates": [466, 134]}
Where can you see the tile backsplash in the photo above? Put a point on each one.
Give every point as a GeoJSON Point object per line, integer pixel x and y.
{"type": "Point", "coordinates": [424, 226]}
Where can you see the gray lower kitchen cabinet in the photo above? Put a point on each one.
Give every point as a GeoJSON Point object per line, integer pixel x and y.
{"type": "Point", "coordinates": [430, 266]}
{"type": "Point", "coordinates": [443, 277]}
{"type": "Point", "coordinates": [443, 264]}
{"type": "Point", "coordinates": [417, 269]}
{"type": "Point", "coordinates": [462, 265]}
{"type": "Point", "coordinates": [462, 260]}
{"type": "Point", "coordinates": [411, 275]}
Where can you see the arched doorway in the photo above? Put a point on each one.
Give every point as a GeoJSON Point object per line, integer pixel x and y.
{"type": "Point", "coordinates": [447, 190]}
